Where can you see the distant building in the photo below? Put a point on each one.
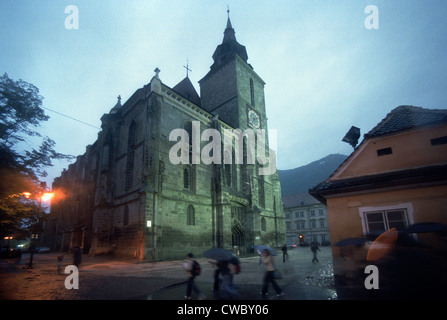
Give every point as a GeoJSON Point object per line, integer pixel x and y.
{"type": "Point", "coordinates": [395, 178]}
{"type": "Point", "coordinates": [306, 219]}
{"type": "Point", "coordinates": [125, 195]}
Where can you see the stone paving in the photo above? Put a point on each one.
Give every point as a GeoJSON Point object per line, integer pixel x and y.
{"type": "Point", "coordinates": [101, 278]}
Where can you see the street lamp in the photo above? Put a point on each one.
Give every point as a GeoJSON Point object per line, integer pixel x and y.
{"type": "Point", "coordinates": [43, 196]}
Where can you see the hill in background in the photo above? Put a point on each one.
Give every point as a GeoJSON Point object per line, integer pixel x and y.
{"type": "Point", "coordinates": [303, 178]}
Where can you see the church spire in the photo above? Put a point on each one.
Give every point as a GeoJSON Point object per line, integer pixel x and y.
{"type": "Point", "coordinates": [228, 20]}
{"type": "Point", "coordinates": [229, 46]}
{"type": "Point", "coordinates": [229, 34]}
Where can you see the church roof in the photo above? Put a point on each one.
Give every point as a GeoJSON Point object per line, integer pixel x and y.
{"type": "Point", "coordinates": [187, 90]}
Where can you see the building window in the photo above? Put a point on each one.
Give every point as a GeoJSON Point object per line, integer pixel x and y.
{"type": "Point", "coordinates": [384, 152]}
{"type": "Point", "coordinates": [261, 191]}
{"type": "Point", "coordinates": [378, 220]}
{"type": "Point", "coordinates": [263, 224]}
{"type": "Point", "coordinates": [230, 170]}
{"type": "Point", "coordinates": [321, 223]}
{"type": "Point", "coordinates": [384, 220]}
{"type": "Point", "coordinates": [186, 178]}
{"type": "Point", "coordinates": [288, 225]}
{"type": "Point", "coordinates": [300, 225]}
{"type": "Point", "coordinates": [189, 177]}
{"type": "Point", "coordinates": [191, 216]}
{"type": "Point", "coordinates": [252, 92]}
{"type": "Point", "coordinates": [438, 141]}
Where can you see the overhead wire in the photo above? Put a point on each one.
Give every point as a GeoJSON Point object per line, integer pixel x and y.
{"type": "Point", "coordinates": [69, 117]}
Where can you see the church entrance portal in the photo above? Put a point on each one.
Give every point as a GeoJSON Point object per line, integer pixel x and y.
{"type": "Point", "coordinates": [237, 229]}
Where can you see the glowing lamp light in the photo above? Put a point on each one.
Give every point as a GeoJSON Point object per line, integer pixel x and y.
{"type": "Point", "coordinates": [47, 196]}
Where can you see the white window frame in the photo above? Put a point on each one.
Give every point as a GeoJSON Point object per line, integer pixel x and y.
{"type": "Point", "coordinates": [408, 207]}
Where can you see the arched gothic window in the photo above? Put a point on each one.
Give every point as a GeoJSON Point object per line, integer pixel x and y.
{"type": "Point", "coordinates": [252, 92]}
{"type": "Point", "coordinates": [191, 216]}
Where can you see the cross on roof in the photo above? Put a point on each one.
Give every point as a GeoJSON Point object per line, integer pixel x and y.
{"type": "Point", "coordinates": [157, 71]}
{"type": "Point", "coordinates": [187, 68]}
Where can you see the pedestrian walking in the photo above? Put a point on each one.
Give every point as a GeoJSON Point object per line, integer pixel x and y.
{"type": "Point", "coordinates": [285, 255]}
{"type": "Point", "coordinates": [214, 264]}
{"type": "Point", "coordinates": [314, 248]}
{"type": "Point", "coordinates": [77, 256]}
{"type": "Point", "coordinates": [19, 257]}
{"type": "Point", "coordinates": [192, 269]}
{"type": "Point", "coordinates": [227, 269]}
{"type": "Point", "coordinates": [60, 258]}
{"type": "Point", "coordinates": [269, 276]}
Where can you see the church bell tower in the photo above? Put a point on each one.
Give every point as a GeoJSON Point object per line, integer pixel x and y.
{"type": "Point", "coordinates": [231, 88]}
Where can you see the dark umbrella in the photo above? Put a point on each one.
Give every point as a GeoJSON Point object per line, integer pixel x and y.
{"type": "Point", "coordinates": [426, 227]}
{"type": "Point", "coordinates": [219, 254]}
{"type": "Point", "coordinates": [261, 248]}
{"type": "Point", "coordinates": [351, 242]}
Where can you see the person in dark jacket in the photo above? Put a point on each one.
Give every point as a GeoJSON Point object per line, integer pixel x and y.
{"type": "Point", "coordinates": [77, 256]}
{"type": "Point", "coordinates": [314, 248]}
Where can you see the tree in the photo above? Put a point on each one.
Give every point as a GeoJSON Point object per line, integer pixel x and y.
{"type": "Point", "coordinates": [20, 115]}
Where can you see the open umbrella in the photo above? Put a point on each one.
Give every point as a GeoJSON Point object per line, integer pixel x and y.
{"type": "Point", "coordinates": [219, 254]}
{"type": "Point", "coordinates": [261, 248]}
{"type": "Point", "coordinates": [426, 227]}
{"type": "Point", "coordinates": [382, 245]}
{"type": "Point", "coordinates": [350, 242]}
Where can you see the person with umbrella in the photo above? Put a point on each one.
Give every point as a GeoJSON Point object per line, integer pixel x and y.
{"type": "Point", "coordinates": [227, 269]}
{"type": "Point", "coordinates": [225, 262]}
{"type": "Point", "coordinates": [215, 266]}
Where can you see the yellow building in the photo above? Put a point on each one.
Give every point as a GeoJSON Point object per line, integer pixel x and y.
{"type": "Point", "coordinates": [395, 178]}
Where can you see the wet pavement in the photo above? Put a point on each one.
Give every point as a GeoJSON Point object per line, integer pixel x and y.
{"type": "Point", "coordinates": [101, 278]}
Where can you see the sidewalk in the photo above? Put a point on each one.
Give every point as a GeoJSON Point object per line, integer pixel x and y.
{"type": "Point", "coordinates": [101, 278]}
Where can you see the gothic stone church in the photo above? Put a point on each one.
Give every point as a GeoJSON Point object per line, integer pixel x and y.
{"type": "Point", "coordinates": [125, 196]}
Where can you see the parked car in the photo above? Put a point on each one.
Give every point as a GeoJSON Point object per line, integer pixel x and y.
{"type": "Point", "coordinates": [42, 249]}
